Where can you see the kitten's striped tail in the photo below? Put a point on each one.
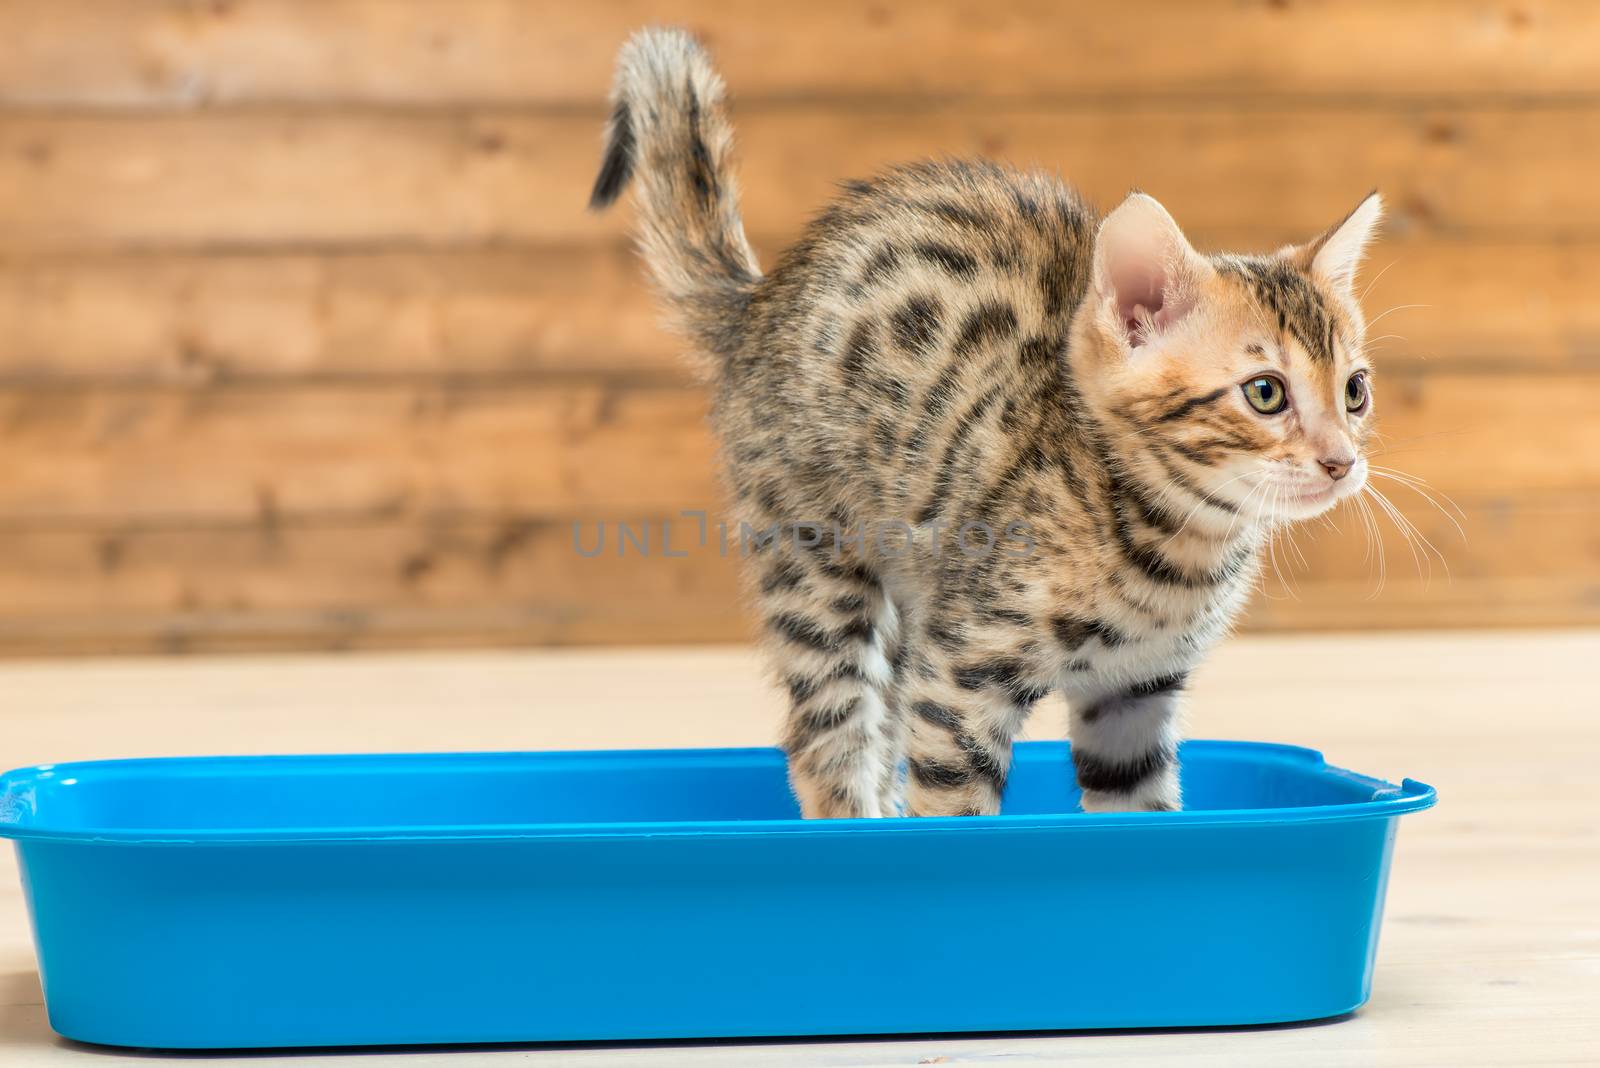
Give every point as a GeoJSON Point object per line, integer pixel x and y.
{"type": "Point", "coordinates": [669, 128]}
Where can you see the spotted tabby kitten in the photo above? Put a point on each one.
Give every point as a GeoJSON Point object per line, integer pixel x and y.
{"type": "Point", "coordinates": [969, 351]}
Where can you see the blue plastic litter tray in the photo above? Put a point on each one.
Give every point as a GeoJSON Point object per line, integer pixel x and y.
{"type": "Point", "coordinates": [521, 897]}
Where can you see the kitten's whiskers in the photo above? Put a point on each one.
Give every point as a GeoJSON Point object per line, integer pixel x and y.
{"type": "Point", "coordinates": [1374, 537]}
{"type": "Point", "coordinates": [1375, 280]}
{"type": "Point", "coordinates": [1421, 488]}
{"type": "Point", "coordinates": [1419, 544]}
{"type": "Point", "coordinates": [1398, 307]}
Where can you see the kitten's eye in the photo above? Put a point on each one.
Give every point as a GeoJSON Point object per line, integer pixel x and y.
{"type": "Point", "coordinates": [1266, 394]}
{"type": "Point", "coordinates": [1355, 392]}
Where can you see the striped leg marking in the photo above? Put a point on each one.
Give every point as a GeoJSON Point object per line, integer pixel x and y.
{"type": "Point", "coordinates": [892, 737]}
{"type": "Point", "coordinates": [828, 645]}
{"type": "Point", "coordinates": [960, 726]}
{"type": "Point", "coordinates": [1124, 748]}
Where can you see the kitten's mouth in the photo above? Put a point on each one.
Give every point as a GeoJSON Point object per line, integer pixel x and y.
{"type": "Point", "coordinates": [1308, 502]}
{"type": "Point", "coordinates": [1311, 496]}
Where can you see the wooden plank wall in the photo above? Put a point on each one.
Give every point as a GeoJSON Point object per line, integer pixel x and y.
{"type": "Point", "coordinates": [306, 340]}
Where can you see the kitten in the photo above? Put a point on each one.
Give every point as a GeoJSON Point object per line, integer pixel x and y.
{"type": "Point", "coordinates": [1077, 431]}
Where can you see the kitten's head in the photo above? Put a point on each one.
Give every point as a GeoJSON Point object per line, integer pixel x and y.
{"type": "Point", "coordinates": [1244, 375]}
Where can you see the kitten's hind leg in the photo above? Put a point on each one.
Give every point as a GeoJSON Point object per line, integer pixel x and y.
{"type": "Point", "coordinates": [962, 710]}
{"type": "Point", "coordinates": [896, 647]}
{"type": "Point", "coordinates": [1125, 747]}
{"type": "Point", "coordinates": [823, 620]}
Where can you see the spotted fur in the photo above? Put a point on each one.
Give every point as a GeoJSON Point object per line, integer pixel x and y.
{"type": "Point", "coordinates": [964, 351]}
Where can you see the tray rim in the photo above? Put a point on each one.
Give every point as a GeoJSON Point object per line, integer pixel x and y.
{"type": "Point", "coordinates": [1389, 800]}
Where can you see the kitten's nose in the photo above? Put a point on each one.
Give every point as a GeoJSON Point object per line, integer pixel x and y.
{"type": "Point", "coordinates": [1337, 466]}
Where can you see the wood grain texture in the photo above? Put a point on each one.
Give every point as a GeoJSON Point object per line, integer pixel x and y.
{"type": "Point", "coordinates": [204, 318]}
{"type": "Point", "coordinates": [374, 513]}
{"type": "Point", "coordinates": [1252, 175]}
{"type": "Point", "coordinates": [307, 341]}
{"type": "Point", "coordinates": [179, 53]}
{"type": "Point", "coordinates": [512, 581]}
{"type": "Point", "coordinates": [606, 451]}
{"type": "Point", "coordinates": [337, 585]}
{"type": "Point", "coordinates": [359, 450]}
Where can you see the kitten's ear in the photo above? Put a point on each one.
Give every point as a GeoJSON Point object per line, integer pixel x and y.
{"type": "Point", "coordinates": [1145, 270]}
{"type": "Point", "coordinates": [1335, 257]}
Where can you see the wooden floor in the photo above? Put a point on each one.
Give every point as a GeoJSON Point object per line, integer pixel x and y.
{"type": "Point", "coordinates": [1491, 944]}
